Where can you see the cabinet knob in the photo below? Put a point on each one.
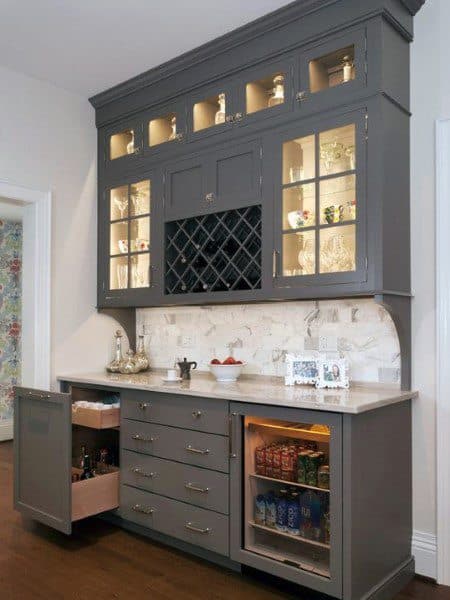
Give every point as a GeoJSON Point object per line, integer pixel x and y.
{"type": "Point", "coordinates": [137, 150]}
{"type": "Point", "coordinates": [238, 117]}
{"type": "Point", "coordinates": [196, 414]}
{"type": "Point", "coordinates": [230, 118]}
{"type": "Point", "coordinates": [143, 405]}
{"type": "Point", "coordinates": [210, 197]}
{"type": "Point", "coordinates": [300, 96]}
{"type": "Point", "coordinates": [179, 137]}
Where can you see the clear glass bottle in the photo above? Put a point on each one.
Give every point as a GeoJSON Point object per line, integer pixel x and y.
{"type": "Point", "coordinates": [306, 257]}
{"type": "Point", "coordinates": [129, 366]}
{"type": "Point", "coordinates": [220, 114]}
{"type": "Point", "coordinates": [173, 124]}
{"type": "Point", "coordinates": [347, 69]}
{"type": "Point", "coordinates": [114, 365]}
{"type": "Point", "coordinates": [130, 145]}
{"type": "Point", "coordinates": [277, 93]}
{"type": "Point", "coordinates": [141, 355]}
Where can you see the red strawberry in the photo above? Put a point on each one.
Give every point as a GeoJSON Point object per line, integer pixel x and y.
{"type": "Point", "coordinates": [229, 361]}
{"type": "Point", "coordinates": [215, 361]}
{"type": "Point", "coordinates": [239, 362]}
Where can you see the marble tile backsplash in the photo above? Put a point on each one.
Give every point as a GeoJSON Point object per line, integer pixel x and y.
{"type": "Point", "coordinates": [262, 334]}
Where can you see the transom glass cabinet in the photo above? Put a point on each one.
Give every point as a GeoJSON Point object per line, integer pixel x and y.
{"type": "Point", "coordinates": [320, 232]}
{"type": "Point", "coordinates": [129, 239]}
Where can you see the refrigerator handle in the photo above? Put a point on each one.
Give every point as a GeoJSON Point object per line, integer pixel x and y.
{"type": "Point", "coordinates": [231, 434]}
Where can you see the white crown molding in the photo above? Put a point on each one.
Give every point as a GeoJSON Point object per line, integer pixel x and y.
{"type": "Point", "coordinates": [443, 348]}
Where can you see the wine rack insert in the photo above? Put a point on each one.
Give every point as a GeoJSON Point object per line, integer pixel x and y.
{"type": "Point", "coordinates": [218, 252]}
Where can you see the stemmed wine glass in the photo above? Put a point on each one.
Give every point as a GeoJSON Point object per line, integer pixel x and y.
{"type": "Point", "coordinates": [121, 203]}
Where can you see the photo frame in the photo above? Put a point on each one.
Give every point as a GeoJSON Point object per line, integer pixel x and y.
{"type": "Point", "coordinates": [333, 373]}
{"type": "Point", "coordinates": [302, 369]}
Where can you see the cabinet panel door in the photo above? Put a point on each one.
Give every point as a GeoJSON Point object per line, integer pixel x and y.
{"type": "Point", "coordinates": [185, 188]}
{"type": "Point", "coordinates": [331, 72]}
{"type": "Point", "coordinates": [319, 171]}
{"type": "Point", "coordinates": [234, 176]}
{"type": "Point", "coordinates": [42, 457]}
{"type": "Point", "coordinates": [310, 552]}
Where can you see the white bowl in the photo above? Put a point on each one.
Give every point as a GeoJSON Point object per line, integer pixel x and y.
{"type": "Point", "coordinates": [226, 373]}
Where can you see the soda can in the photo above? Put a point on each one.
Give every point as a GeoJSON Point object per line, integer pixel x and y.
{"type": "Point", "coordinates": [276, 461]}
{"type": "Point", "coordinates": [276, 472]}
{"type": "Point", "coordinates": [287, 474]}
{"type": "Point", "coordinates": [302, 461]}
{"type": "Point", "coordinates": [261, 469]}
{"type": "Point", "coordinates": [285, 458]}
{"type": "Point", "coordinates": [271, 510]}
{"type": "Point", "coordinates": [312, 468]}
{"type": "Point", "coordinates": [260, 509]}
{"type": "Point", "coordinates": [260, 455]}
{"type": "Point", "coordinates": [269, 471]}
{"type": "Point", "coordinates": [269, 456]}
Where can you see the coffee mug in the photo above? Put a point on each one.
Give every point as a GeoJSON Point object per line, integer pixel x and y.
{"type": "Point", "coordinates": [171, 374]}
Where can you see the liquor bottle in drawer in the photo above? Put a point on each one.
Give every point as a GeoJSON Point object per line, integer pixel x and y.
{"type": "Point", "coordinates": [47, 486]}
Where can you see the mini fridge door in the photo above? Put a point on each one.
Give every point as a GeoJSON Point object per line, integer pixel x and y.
{"type": "Point", "coordinates": [286, 493]}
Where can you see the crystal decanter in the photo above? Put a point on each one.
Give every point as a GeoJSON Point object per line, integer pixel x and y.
{"type": "Point", "coordinates": [141, 356]}
{"type": "Point", "coordinates": [114, 365]}
{"type": "Point", "coordinates": [130, 145]}
{"type": "Point", "coordinates": [277, 93]}
{"type": "Point", "coordinates": [220, 114]}
{"type": "Point", "coordinates": [173, 125]}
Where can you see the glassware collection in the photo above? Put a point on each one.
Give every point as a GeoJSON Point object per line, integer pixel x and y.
{"type": "Point", "coordinates": [133, 362]}
{"type": "Point", "coordinates": [276, 95]}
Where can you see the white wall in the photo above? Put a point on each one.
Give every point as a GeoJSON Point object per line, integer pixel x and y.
{"type": "Point", "coordinates": [48, 142]}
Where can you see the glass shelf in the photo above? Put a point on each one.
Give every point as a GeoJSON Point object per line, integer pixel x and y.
{"type": "Point", "coordinates": [265, 93]}
{"type": "Point", "coordinates": [210, 112]}
{"type": "Point", "coordinates": [121, 144]}
{"type": "Point", "coordinates": [333, 69]}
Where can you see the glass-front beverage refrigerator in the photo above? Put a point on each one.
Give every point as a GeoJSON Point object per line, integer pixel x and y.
{"type": "Point", "coordinates": [286, 512]}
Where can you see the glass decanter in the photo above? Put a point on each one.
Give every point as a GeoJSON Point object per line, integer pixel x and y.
{"type": "Point", "coordinates": [114, 365]}
{"type": "Point", "coordinates": [141, 355]}
{"type": "Point", "coordinates": [173, 125]}
{"type": "Point", "coordinates": [277, 93]}
{"type": "Point", "coordinates": [307, 256]}
{"type": "Point", "coordinates": [347, 69]}
{"type": "Point", "coordinates": [340, 257]}
{"type": "Point", "coordinates": [220, 114]}
{"type": "Point", "coordinates": [122, 276]}
{"type": "Point", "coordinates": [129, 366]}
{"type": "Point", "coordinates": [130, 145]}
{"type": "Point", "coordinates": [331, 152]}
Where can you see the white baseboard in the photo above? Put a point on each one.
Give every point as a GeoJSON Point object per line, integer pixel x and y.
{"type": "Point", "coordinates": [6, 430]}
{"type": "Point", "coordinates": [424, 549]}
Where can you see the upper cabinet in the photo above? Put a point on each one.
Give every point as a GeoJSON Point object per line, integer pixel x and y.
{"type": "Point", "coordinates": [269, 164]}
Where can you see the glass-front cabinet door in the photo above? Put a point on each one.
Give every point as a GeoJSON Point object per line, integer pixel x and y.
{"type": "Point", "coordinates": [213, 110]}
{"type": "Point", "coordinates": [128, 239]}
{"type": "Point", "coordinates": [320, 204]}
{"type": "Point", "coordinates": [123, 146]}
{"type": "Point", "coordinates": [286, 493]}
{"type": "Point", "coordinates": [164, 126]}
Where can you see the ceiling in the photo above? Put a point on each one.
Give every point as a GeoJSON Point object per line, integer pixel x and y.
{"type": "Point", "coordinates": [87, 46]}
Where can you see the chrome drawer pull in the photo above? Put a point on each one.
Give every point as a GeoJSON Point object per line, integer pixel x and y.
{"type": "Point", "coordinates": [143, 405]}
{"type": "Point", "coordinates": [197, 529]}
{"type": "Point", "coordinates": [196, 450]}
{"type": "Point", "coordinates": [139, 471]}
{"type": "Point", "coordinates": [195, 488]}
{"type": "Point", "coordinates": [142, 438]}
{"type": "Point", "coordinates": [197, 414]}
{"type": "Point", "coordinates": [145, 510]}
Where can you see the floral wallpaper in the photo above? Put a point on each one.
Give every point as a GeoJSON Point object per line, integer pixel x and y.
{"type": "Point", "coordinates": [10, 313]}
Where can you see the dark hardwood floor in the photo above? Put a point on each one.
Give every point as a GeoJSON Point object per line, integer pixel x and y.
{"type": "Point", "coordinates": [102, 562]}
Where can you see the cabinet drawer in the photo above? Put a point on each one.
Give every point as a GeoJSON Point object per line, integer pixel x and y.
{"type": "Point", "coordinates": [187, 412]}
{"type": "Point", "coordinates": [96, 495]}
{"type": "Point", "coordinates": [191, 447]}
{"type": "Point", "coordinates": [200, 487]}
{"type": "Point", "coordinates": [191, 524]}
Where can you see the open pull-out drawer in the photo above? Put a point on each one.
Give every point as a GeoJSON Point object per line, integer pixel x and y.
{"type": "Point", "coordinates": [90, 410]}
{"type": "Point", "coordinates": [46, 448]}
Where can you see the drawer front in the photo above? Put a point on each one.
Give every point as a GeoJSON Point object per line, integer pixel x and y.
{"type": "Point", "coordinates": [191, 524]}
{"type": "Point", "coordinates": [191, 447]}
{"type": "Point", "coordinates": [199, 487]}
{"type": "Point", "coordinates": [186, 412]}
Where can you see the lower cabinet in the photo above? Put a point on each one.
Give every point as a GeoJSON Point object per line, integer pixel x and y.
{"type": "Point", "coordinates": [179, 520]}
{"type": "Point", "coordinates": [46, 455]}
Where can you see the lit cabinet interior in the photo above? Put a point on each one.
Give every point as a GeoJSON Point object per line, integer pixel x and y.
{"type": "Point", "coordinates": [265, 93]}
{"type": "Point", "coordinates": [121, 144]}
{"type": "Point", "coordinates": [319, 203]}
{"type": "Point", "coordinates": [333, 69]}
{"type": "Point", "coordinates": [287, 512]}
{"type": "Point", "coordinates": [163, 129]}
{"type": "Point", "coordinates": [129, 263]}
{"type": "Point", "coordinates": [210, 112]}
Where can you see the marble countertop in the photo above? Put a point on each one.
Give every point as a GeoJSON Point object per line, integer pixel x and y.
{"type": "Point", "coordinates": [259, 390]}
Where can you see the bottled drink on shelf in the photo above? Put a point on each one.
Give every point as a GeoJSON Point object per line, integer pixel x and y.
{"type": "Point", "coordinates": [87, 468]}
{"type": "Point", "coordinates": [271, 510]}
{"type": "Point", "coordinates": [282, 508]}
{"type": "Point", "coordinates": [293, 514]}
{"type": "Point", "coordinates": [260, 509]}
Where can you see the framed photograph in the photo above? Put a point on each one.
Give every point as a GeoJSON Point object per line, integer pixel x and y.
{"type": "Point", "coordinates": [333, 373]}
{"type": "Point", "coordinates": [302, 369]}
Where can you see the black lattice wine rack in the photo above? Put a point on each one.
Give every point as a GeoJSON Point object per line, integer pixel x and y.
{"type": "Point", "coordinates": [218, 252]}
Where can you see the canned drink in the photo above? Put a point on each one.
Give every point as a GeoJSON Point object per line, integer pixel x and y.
{"type": "Point", "coordinates": [271, 510]}
{"type": "Point", "coordinates": [323, 477]}
{"type": "Point", "coordinates": [261, 470]}
{"type": "Point", "coordinates": [260, 455]}
{"type": "Point", "coordinates": [302, 460]}
{"type": "Point", "coordinates": [276, 472]}
{"type": "Point", "coordinates": [276, 460]}
{"type": "Point", "coordinates": [293, 514]}
{"type": "Point", "coordinates": [282, 503]}
{"type": "Point", "coordinates": [287, 474]}
{"type": "Point", "coordinates": [312, 469]}
{"type": "Point", "coordinates": [260, 509]}
{"type": "Point", "coordinates": [269, 456]}
{"type": "Point", "coordinates": [269, 471]}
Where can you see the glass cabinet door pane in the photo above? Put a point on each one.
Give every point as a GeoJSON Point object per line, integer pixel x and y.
{"type": "Point", "coordinates": [121, 144]}
{"type": "Point", "coordinates": [299, 160]}
{"type": "Point", "coordinates": [265, 93]}
{"type": "Point", "coordinates": [162, 129]}
{"type": "Point", "coordinates": [119, 243]}
{"type": "Point", "coordinates": [299, 253]}
{"type": "Point", "coordinates": [338, 199]}
{"type": "Point", "coordinates": [210, 112]}
{"type": "Point", "coordinates": [119, 203]}
{"type": "Point", "coordinates": [140, 268]}
{"type": "Point", "coordinates": [337, 150]}
{"type": "Point", "coordinates": [140, 196]}
{"type": "Point", "coordinates": [338, 249]}
{"type": "Point", "coordinates": [299, 206]}
{"type": "Point", "coordinates": [118, 273]}
{"type": "Point", "coordinates": [140, 235]}
{"type": "Point", "coordinates": [333, 69]}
